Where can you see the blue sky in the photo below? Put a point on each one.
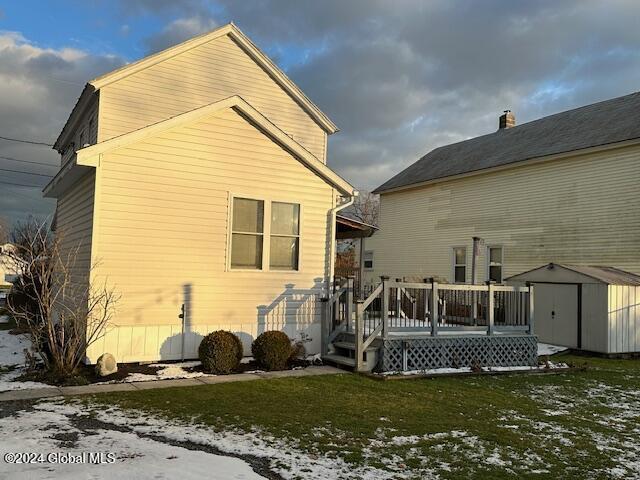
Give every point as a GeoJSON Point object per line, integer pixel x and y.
{"type": "Point", "coordinates": [398, 78]}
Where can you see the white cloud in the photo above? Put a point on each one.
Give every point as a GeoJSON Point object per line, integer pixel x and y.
{"type": "Point", "coordinates": [38, 88]}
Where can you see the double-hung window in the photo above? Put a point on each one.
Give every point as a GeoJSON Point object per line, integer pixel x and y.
{"type": "Point", "coordinates": [494, 258]}
{"type": "Point", "coordinates": [258, 244]}
{"type": "Point", "coordinates": [368, 260]}
{"type": "Point", "coordinates": [285, 236]}
{"type": "Point", "coordinates": [247, 234]}
{"type": "Point", "coordinates": [459, 264]}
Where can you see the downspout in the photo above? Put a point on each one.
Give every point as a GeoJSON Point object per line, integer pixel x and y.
{"type": "Point", "coordinates": [332, 260]}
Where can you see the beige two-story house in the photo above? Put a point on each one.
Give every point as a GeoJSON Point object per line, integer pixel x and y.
{"type": "Point", "coordinates": [194, 183]}
{"type": "Point", "coordinates": [563, 189]}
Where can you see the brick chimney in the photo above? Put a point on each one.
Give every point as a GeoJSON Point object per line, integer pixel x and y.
{"type": "Point", "coordinates": [507, 120]}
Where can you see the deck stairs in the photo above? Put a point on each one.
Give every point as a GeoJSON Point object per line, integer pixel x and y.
{"type": "Point", "coordinates": [342, 352]}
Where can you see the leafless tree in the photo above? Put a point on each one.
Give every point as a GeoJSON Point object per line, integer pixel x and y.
{"type": "Point", "coordinates": [54, 300]}
{"type": "Point", "coordinates": [366, 208]}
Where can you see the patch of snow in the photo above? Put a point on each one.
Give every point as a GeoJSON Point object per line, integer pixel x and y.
{"type": "Point", "coordinates": [284, 458]}
{"type": "Point", "coordinates": [548, 349]}
{"type": "Point", "coordinates": [449, 371]}
{"type": "Point", "coordinates": [134, 457]}
{"type": "Point", "coordinates": [12, 362]}
{"type": "Point", "coordinates": [4, 319]}
{"type": "Point", "coordinates": [12, 348]}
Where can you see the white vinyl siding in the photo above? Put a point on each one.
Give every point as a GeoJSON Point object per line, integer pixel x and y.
{"type": "Point", "coordinates": [74, 226]}
{"type": "Point", "coordinates": [165, 204]}
{"type": "Point", "coordinates": [579, 210]}
{"type": "Point", "coordinates": [205, 74]}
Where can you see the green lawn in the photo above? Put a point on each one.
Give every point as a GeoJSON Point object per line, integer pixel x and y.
{"type": "Point", "coordinates": [580, 424]}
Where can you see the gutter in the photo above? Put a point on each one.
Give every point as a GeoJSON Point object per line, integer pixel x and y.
{"type": "Point", "coordinates": [332, 260]}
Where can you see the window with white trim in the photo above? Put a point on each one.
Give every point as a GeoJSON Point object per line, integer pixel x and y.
{"type": "Point", "coordinates": [494, 267]}
{"type": "Point", "coordinates": [285, 236]}
{"type": "Point", "coordinates": [368, 260]}
{"type": "Point", "coordinates": [247, 232]}
{"type": "Point", "coordinates": [459, 264]}
{"type": "Point", "coordinates": [260, 245]}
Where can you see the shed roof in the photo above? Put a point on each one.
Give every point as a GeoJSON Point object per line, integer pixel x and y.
{"type": "Point", "coordinates": [598, 124]}
{"type": "Point", "coordinates": [603, 274]}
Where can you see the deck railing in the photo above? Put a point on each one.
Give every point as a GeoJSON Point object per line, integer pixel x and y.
{"type": "Point", "coordinates": [431, 308]}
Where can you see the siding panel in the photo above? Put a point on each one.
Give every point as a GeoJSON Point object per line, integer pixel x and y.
{"type": "Point", "coordinates": [583, 210]}
{"type": "Point", "coordinates": [198, 77]}
{"type": "Point", "coordinates": [164, 205]}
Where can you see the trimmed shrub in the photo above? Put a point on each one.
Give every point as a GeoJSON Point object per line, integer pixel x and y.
{"type": "Point", "coordinates": [272, 350]}
{"type": "Point", "coordinates": [220, 352]}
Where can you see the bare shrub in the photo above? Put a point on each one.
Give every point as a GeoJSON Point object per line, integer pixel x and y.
{"type": "Point", "coordinates": [54, 300]}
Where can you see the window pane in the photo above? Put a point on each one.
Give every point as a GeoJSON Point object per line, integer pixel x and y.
{"type": "Point", "coordinates": [285, 218]}
{"type": "Point", "coordinates": [460, 274]}
{"type": "Point", "coordinates": [495, 274]}
{"type": "Point", "coordinates": [247, 215]}
{"type": "Point", "coordinates": [284, 253]}
{"type": "Point", "coordinates": [246, 251]}
{"type": "Point", "coordinates": [495, 255]}
{"type": "Point", "coordinates": [460, 255]}
{"type": "Point", "coordinates": [368, 264]}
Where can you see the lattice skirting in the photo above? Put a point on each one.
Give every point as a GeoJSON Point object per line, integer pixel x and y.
{"type": "Point", "coordinates": [459, 351]}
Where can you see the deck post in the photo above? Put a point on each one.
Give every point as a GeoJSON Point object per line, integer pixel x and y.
{"type": "Point", "coordinates": [349, 301]}
{"type": "Point", "coordinates": [385, 306]}
{"type": "Point", "coordinates": [434, 307]}
{"type": "Point", "coordinates": [531, 309]}
{"type": "Point", "coordinates": [359, 334]}
{"type": "Point", "coordinates": [490, 307]}
{"type": "Point", "coordinates": [398, 301]}
{"type": "Point", "coordinates": [325, 326]}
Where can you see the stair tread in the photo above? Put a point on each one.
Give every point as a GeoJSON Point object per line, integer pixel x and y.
{"type": "Point", "coordinates": [352, 346]}
{"type": "Point", "coordinates": [334, 357]}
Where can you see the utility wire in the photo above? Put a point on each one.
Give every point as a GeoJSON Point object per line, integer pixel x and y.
{"type": "Point", "coordinates": [25, 173]}
{"type": "Point", "coordinates": [31, 142]}
{"type": "Point", "coordinates": [29, 161]}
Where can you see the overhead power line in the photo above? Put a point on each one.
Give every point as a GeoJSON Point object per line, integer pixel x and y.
{"type": "Point", "coordinates": [29, 161]}
{"type": "Point", "coordinates": [25, 173]}
{"type": "Point", "coordinates": [31, 142]}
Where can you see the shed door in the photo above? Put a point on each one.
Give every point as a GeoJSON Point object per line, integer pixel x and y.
{"type": "Point", "coordinates": [556, 314]}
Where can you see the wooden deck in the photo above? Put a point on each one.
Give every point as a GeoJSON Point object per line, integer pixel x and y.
{"type": "Point", "coordinates": [404, 326]}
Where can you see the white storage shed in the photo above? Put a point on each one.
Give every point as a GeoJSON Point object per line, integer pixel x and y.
{"type": "Point", "coordinates": [593, 308]}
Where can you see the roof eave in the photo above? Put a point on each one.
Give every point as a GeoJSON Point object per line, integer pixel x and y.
{"type": "Point", "coordinates": [83, 101]}
{"type": "Point", "coordinates": [526, 161]}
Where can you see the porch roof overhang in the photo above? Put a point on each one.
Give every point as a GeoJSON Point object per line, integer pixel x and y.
{"type": "Point", "coordinates": [347, 228]}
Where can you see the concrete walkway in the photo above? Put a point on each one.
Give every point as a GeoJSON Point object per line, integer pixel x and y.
{"type": "Point", "coordinates": [35, 393]}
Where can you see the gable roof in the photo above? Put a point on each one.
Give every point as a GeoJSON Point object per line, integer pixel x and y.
{"type": "Point", "coordinates": [599, 124]}
{"type": "Point", "coordinates": [90, 156]}
{"type": "Point", "coordinates": [235, 34]}
{"type": "Point", "coordinates": [603, 274]}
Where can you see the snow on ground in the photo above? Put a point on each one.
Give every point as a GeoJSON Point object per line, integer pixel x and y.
{"type": "Point", "coordinates": [4, 319]}
{"type": "Point", "coordinates": [450, 371]}
{"type": "Point", "coordinates": [142, 447]}
{"type": "Point", "coordinates": [548, 349]}
{"type": "Point", "coordinates": [50, 429]}
{"type": "Point", "coordinates": [167, 371]}
{"type": "Point", "coordinates": [12, 362]}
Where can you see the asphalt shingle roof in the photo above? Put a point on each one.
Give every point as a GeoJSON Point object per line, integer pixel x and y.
{"type": "Point", "coordinates": [601, 123]}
